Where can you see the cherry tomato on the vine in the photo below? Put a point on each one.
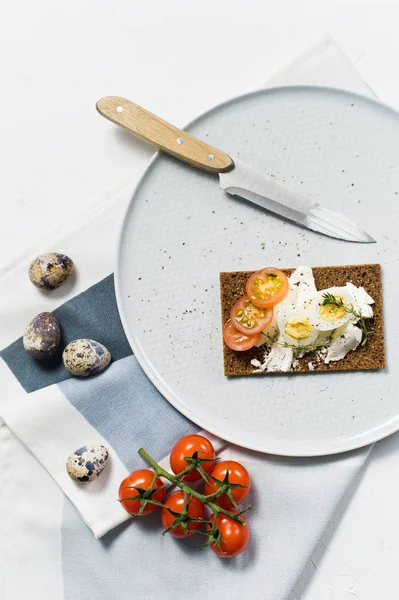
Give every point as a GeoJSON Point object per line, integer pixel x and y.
{"type": "Point", "coordinates": [195, 510]}
{"type": "Point", "coordinates": [237, 474]}
{"type": "Point", "coordinates": [140, 479]}
{"type": "Point", "coordinates": [186, 447]}
{"type": "Point", "coordinates": [234, 537]}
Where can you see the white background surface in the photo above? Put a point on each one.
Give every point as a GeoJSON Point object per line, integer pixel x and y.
{"type": "Point", "coordinates": [179, 58]}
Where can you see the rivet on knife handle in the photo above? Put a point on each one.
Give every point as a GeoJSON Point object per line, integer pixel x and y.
{"type": "Point", "coordinates": [172, 140]}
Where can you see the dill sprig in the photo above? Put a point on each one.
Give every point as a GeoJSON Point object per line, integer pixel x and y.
{"type": "Point", "coordinates": [331, 299]}
{"type": "Point", "coordinates": [297, 347]}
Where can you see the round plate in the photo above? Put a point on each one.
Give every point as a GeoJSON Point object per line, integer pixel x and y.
{"type": "Point", "coordinates": [181, 230]}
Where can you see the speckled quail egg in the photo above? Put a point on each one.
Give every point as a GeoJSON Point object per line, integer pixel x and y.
{"type": "Point", "coordinates": [327, 316]}
{"type": "Point", "coordinates": [85, 357]}
{"type": "Point", "coordinates": [295, 326]}
{"type": "Point", "coordinates": [42, 336]}
{"type": "Point", "coordinates": [86, 463]}
{"type": "Point", "coordinates": [49, 271]}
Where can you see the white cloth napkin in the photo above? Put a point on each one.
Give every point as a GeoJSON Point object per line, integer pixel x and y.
{"type": "Point", "coordinates": [294, 499]}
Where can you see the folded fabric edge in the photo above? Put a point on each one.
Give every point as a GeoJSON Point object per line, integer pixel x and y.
{"type": "Point", "coordinates": [347, 489]}
{"type": "Point", "coordinates": [54, 438]}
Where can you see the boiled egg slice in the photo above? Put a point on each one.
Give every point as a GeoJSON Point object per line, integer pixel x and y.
{"type": "Point", "coordinates": [295, 326]}
{"type": "Point", "coordinates": [326, 316]}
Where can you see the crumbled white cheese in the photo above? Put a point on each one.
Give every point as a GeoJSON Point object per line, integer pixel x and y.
{"type": "Point", "coordinates": [310, 366]}
{"type": "Point", "coordinates": [255, 363]}
{"type": "Point", "coordinates": [362, 301]}
{"type": "Point", "coordinates": [303, 279]}
{"type": "Point", "coordinates": [344, 340]}
{"type": "Point", "coordinates": [321, 354]}
{"type": "Point", "coordinates": [279, 358]}
{"type": "Point", "coordinates": [276, 358]}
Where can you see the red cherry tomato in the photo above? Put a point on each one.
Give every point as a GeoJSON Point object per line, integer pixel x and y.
{"type": "Point", "coordinates": [234, 537]}
{"type": "Point", "coordinates": [195, 510]}
{"type": "Point", "coordinates": [248, 318]}
{"type": "Point", "coordinates": [267, 287]}
{"type": "Point", "coordinates": [186, 447]}
{"type": "Point", "coordinates": [237, 340]}
{"type": "Point", "coordinates": [141, 479]}
{"type": "Point", "coordinates": [237, 474]}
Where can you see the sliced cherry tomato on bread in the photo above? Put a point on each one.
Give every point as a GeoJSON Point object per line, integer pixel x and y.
{"type": "Point", "coordinates": [267, 287]}
{"type": "Point", "coordinates": [237, 340]}
{"type": "Point", "coordinates": [248, 318]}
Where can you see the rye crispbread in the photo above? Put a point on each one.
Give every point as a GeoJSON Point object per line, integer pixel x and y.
{"type": "Point", "coordinates": [371, 356]}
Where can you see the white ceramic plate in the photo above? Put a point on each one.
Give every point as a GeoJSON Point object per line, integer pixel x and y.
{"type": "Point", "coordinates": [181, 230]}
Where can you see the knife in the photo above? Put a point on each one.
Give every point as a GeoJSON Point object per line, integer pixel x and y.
{"type": "Point", "coordinates": [235, 177]}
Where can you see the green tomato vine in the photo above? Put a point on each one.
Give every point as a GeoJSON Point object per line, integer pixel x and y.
{"type": "Point", "coordinates": [210, 530]}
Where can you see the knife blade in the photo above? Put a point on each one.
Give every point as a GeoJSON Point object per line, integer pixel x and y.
{"type": "Point", "coordinates": [235, 177]}
{"type": "Point", "coordinates": [265, 191]}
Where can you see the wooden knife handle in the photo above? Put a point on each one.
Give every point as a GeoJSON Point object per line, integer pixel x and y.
{"type": "Point", "coordinates": [172, 140]}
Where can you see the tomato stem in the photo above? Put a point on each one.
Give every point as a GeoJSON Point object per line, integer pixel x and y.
{"type": "Point", "coordinates": [177, 481]}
